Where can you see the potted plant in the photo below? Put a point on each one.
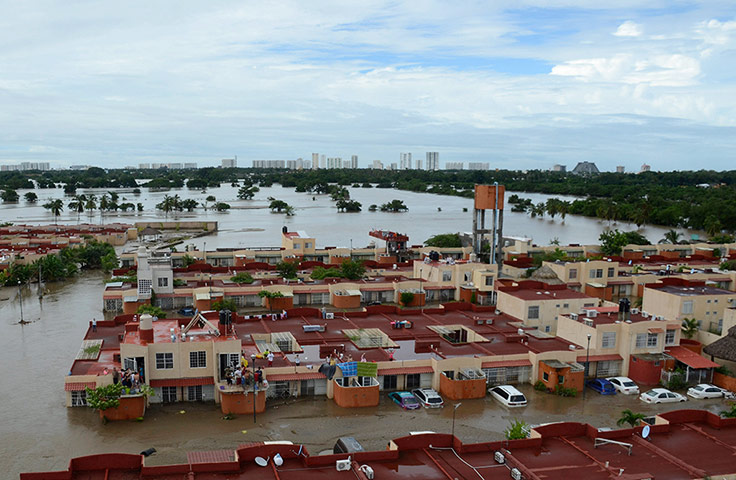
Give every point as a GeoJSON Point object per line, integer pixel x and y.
{"type": "Point", "coordinates": [115, 402]}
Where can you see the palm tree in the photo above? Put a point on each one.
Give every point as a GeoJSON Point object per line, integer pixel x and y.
{"type": "Point", "coordinates": [672, 236]}
{"type": "Point", "coordinates": [90, 205]}
{"type": "Point", "coordinates": [690, 327]}
{"type": "Point", "coordinates": [633, 419]}
{"type": "Point", "coordinates": [55, 207]}
{"type": "Point", "coordinates": [77, 204]}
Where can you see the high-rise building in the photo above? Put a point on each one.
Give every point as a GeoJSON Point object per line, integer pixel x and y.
{"type": "Point", "coordinates": [478, 165]}
{"type": "Point", "coordinates": [323, 161]}
{"type": "Point", "coordinates": [394, 166]}
{"type": "Point", "coordinates": [377, 165]}
{"type": "Point", "coordinates": [229, 162]}
{"type": "Point", "coordinates": [454, 166]}
{"type": "Point", "coordinates": [354, 161]}
{"type": "Point", "coordinates": [269, 163]}
{"type": "Point", "coordinates": [334, 162]}
{"type": "Point", "coordinates": [559, 168]}
{"type": "Point", "coordinates": [419, 164]}
{"type": "Point", "coordinates": [315, 161]}
{"type": "Point", "coordinates": [190, 166]}
{"type": "Point", "coordinates": [620, 169]}
{"type": "Point", "coordinates": [405, 161]}
{"type": "Point", "coordinates": [433, 160]}
{"type": "Point", "coordinates": [645, 168]}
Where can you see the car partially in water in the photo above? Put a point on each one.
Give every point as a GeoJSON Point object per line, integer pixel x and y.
{"type": "Point", "coordinates": [405, 400]}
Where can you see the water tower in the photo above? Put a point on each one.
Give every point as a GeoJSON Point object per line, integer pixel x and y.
{"type": "Point", "coordinates": [489, 197]}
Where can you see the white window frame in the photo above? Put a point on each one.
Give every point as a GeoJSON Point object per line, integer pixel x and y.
{"type": "Point", "coordinates": [529, 312]}
{"type": "Point", "coordinates": [670, 337]}
{"type": "Point", "coordinates": [652, 340]}
{"type": "Point", "coordinates": [608, 340]}
{"type": "Point", "coordinates": [198, 359]}
{"type": "Point", "coordinates": [687, 307]}
{"type": "Point", "coordinates": [79, 398]}
{"type": "Point", "coordinates": [164, 361]}
{"type": "Point", "coordinates": [641, 340]}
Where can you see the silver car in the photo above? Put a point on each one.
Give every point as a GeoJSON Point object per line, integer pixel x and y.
{"type": "Point", "coordinates": [624, 385]}
{"type": "Point", "coordinates": [705, 390]}
{"type": "Point", "coordinates": [661, 395]}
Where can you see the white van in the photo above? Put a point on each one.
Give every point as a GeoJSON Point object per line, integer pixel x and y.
{"type": "Point", "coordinates": [508, 395]}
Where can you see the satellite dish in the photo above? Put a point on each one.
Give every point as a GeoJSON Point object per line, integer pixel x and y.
{"type": "Point", "coordinates": [262, 462]}
{"type": "Point", "coordinates": [278, 460]}
{"type": "Point", "coordinates": [645, 431]}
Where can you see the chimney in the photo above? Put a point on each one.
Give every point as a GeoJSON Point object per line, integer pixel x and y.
{"type": "Point", "coordinates": [146, 328]}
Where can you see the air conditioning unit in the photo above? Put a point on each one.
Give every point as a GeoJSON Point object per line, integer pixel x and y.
{"type": "Point", "coordinates": [572, 347]}
{"type": "Point", "coordinates": [330, 316]}
{"type": "Point", "coordinates": [342, 465]}
{"type": "Point", "coordinates": [368, 471]}
{"type": "Point", "coordinates": [520, 331]}
{"type": "Point", "coordinates": [574, 316]}
{"type": "Point", "coordinates": [588, 322]}
{"type": "Point", "coordinates": [592, 313]}
{"type": "Point", "coordinates": [499, 458]}
{"type": "Point", "coordinates": [645, 314]}
{"type": "Point", "coordinates": [634, 311]}
{"type": "Point", "coordinates": [498, 312]}
{"type": "Point", "coordinates": [516, 474]}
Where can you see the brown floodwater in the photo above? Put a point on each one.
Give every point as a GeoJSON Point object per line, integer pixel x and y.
{"type": "Point", "coordinates": [37, 432]}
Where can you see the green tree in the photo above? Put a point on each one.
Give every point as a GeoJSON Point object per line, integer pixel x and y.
{"type": "Point", "coordinates": [344, 205]}
{"type": "Point", "coordinates": [9, 195]}
{"type": "Point", "coordinates": [109, 262]}
{"type": "Point", "coordinates": [517, 430]}
{"type": "Point", "coordinates": [287, 269]}
{"type": "Point", "coordinates": [222, 206]}
{"type": "Point", "coordinates": [352, 269]}
{"type": "Point", "coordinates": [278, 205]}
{"type": "Point", "coordinates": [151, 310]}
{"type": "Point", "coordinates": [672, 236]}
{"type": "Point", "coordinates": [55, 207]}
{"type": "Point", "coordinates": [187, 260]}
{"type": "Point", "coordinates": [90, 205]}
{"type": "Point", "coordinates": [731, 413]}
{"type": "Point", "coordinates": [690, 327]}
{"type": "Point", "coordinates": [394, 206]}
{"type": "Point", "coordinates": [444, 240]}
{"type": "Point", "coordinates": [189, 204]}
{"type": "Point", "coordinates": [406, 298]}
{"type": "Point", "coordinates": [242, 277]}
{"type": "Point", "coordinates": [247, 192]}
{"type": "Point", "coordinates": [225, 304]}
{"type": "Point", "coordinates": [77, 205]}
{"type": "Point", "coordinates": [633, 419]}
{"type": "Point", "coordinates": [30, 197]}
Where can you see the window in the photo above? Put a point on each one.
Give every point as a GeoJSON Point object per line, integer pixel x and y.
{"type": "Point", "coordinates": [641, 340]}
{"type": "Point", "coordinates": [144, 287]}
{"type": "Point", "coordinates": [163, 282]}
{"type": "Point", "coordinates": [446, 276]}
{"type": "Point", "coordinates": [198, 359]}
{"type": "Point", "coordinates": [573, 273]}
{"type": "Point", "coordinates": [546, 328]}
{"type": "Point", "coordinates": [413, 380]}
{"type": "Point", "coordinates": [297, 245]}
{"type": "Point", "coordinates": [79, 398]}
{"type": "Point", "coordinates": [194, 393]}
{"type": "Point", "coordinates": [708, 301]}
{"type": "Point", "coordinates": [168, 394]}
{"type": "Point", "coordinates": [164, 361]}
{"type": "Point", "coordinates": [389, 382]}
{"type": "Point", "coordinates": [596, 273]}
{"type": "Point", "coordinates": [687, 307]}
{"type": "Point", "coordinates": [489, 281]}
{"type": "Point", "coordinates": [608, 340]}
{"type": "Point", "coordinates": [561, 379]}
{"type": "Point", "coordinates": [565, 305]}
{"type": "Point", "coordinates": [669, 337]}
{"type": "Point", "coordinates": [307, 244]}
{"type": "Point", "coordinates": [533, 312]}
{"type": "Point", "coordinates": [652, 340]}
{"type": "Point", "coordinates": [611, 272]}
{"type": "Point", "coordinates": [545, 376]}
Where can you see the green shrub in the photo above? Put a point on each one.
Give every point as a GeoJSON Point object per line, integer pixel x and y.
{"type": "Point", "coordinates": [517, 430]}
{"type": "Point", "coordinates": [540, 386]}
{"type": "Point", "coordinates": [225, 304]}
{"type": "Point", "coordinates": [242, 277]}
{"type": "Point", "coordinates": [407, 298]}
{"type": "Point", "coordinates": [565, 392]}
{"type": "Point", "coordinates": [151, 310]}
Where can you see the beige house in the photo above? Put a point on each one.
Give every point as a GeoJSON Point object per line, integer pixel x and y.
{"type": "Point", "coordinates": [614, 337]}
{"type": "Point", "coordinates": [539, 304]}
{"type": "Point", "coordinates": [677, 299]}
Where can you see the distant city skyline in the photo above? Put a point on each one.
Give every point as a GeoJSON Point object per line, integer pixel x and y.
{"type": "Point", "coordinates": [517, 85]}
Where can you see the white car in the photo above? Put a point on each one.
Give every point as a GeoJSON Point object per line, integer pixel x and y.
{"type": "Point", "coordinates": [624, 385]}
{"type": "Point", "coordinates": [428, 398]}
{"type": "Point", "coordinates": [661, 395]}
{"type": "Point", "coordinates": [508, 395]}
{"type": "Point", "coordinates": [705, 390]}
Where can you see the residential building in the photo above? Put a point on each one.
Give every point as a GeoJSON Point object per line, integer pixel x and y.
{"type": "Point", "coordinates": [230, 162]}
{"type": "Point", "coordinates": [539, 304]}
{"type": "Point", "coordinates": [585, 168]}
{"type": "Point", "coordinates": [478, 165]}
{"type": "Point", "coordinates": [315, 161]}
{"type": "Point", "coordinates": [377, 165]}
{"type": "Point", "coordinates": [620, 169]}
{"type": "Point", "coordinates": [433, 160]}
{"type": "Point", "coordinates": [419, 164]}
{"type": "Point", "coordinates": [405, 161]}
{"type": "Point", "coordinates": [354, 161]}
{"type": "Point", "coordinates": [190, 165]}
{"type": "Point", "coordinates": [559, 168]}
{"type": "Point", "coordinates": [677, 299]}
{"type": "Point", "coordinates": [269, 163]}
{"type": "Point", "coordinates": [645, 168]}
{"type": "Point", "coordinates": [334, 162]}
{"type": "Point", "coordinates": [394, 166]}
{"type": "Point", "coordinates": [454, 165]}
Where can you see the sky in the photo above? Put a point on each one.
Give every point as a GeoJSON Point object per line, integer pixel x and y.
{"type": "Point", "coordinates": [518, 84]}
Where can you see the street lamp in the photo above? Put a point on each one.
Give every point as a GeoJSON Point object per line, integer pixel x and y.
{"type": "Point", "coordinates": [587, 359]}
{"type": "Point", "coordinates": [253, 362]}
{"type": "Point", "coordinates": [453, 418]}
{"type": "Point", "coordinates": [20, 298]}
{"type": "Point", "coordinates": [204, 252]}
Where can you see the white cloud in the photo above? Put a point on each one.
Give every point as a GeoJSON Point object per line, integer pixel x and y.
{"type": "Point", "coordinates": [628, 29]}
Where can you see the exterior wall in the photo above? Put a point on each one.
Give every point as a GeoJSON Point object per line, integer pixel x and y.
{"type": "Point", "coordinates": [647, 372]}
{"type": "Point", "coordinates": [706, 308]}
{"type": "Point", "coordinates": [459, 389]}
{"type": "Point", "coordinates": [351, 397]}
{"type": "Point", "coordinates": [345, 301]}
{"type": "Point", "coordinates": [131, 407]}
{"type": "Point", "coordinates": [724, 381]}
{"type": "Point", "coordinates": [242, 404]}
{"type": "Point", "coordinates": [549, 310]}
{"type": "Point", "coordinates": [570, 379]}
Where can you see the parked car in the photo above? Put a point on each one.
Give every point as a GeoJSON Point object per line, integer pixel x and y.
{"type": "Point", "coordinates": [406, 400]}
{"type": "Point", "coordinates": [624, 385]}
{"type": "Point", "coordinates": [186, 311]}
{"type": "Point", "coordinates": [428, 398]}
{"type": "Point", "coordinates": [602, 386]}
{"type": "Point", "coordinates": [705, 390]}
{"type": "Point", "coordinates": [661, 395]}
{"type": "Point", "coordinates": [508, 395]}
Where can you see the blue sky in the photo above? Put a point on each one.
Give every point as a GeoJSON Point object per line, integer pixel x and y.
{"type": "Point", "coordinates": [522, 84]}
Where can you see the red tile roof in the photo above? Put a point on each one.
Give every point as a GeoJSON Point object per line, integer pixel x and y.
{"type": "Point", "coordinates": [507, 363]}
{"type": "Point", "coordinates": [601, 358]}
{"type": "Point", "coordinates": [405, 370]}
{"type": "Point", "coordinates": [183, 382]}
{"type": "Point", "coordinates": [690, 358]}
{"type": "Point", "coordinates": [78, 386]}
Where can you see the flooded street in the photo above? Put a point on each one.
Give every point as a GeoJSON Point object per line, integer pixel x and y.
{"type": "Point", "coordinates": [38, 433]}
